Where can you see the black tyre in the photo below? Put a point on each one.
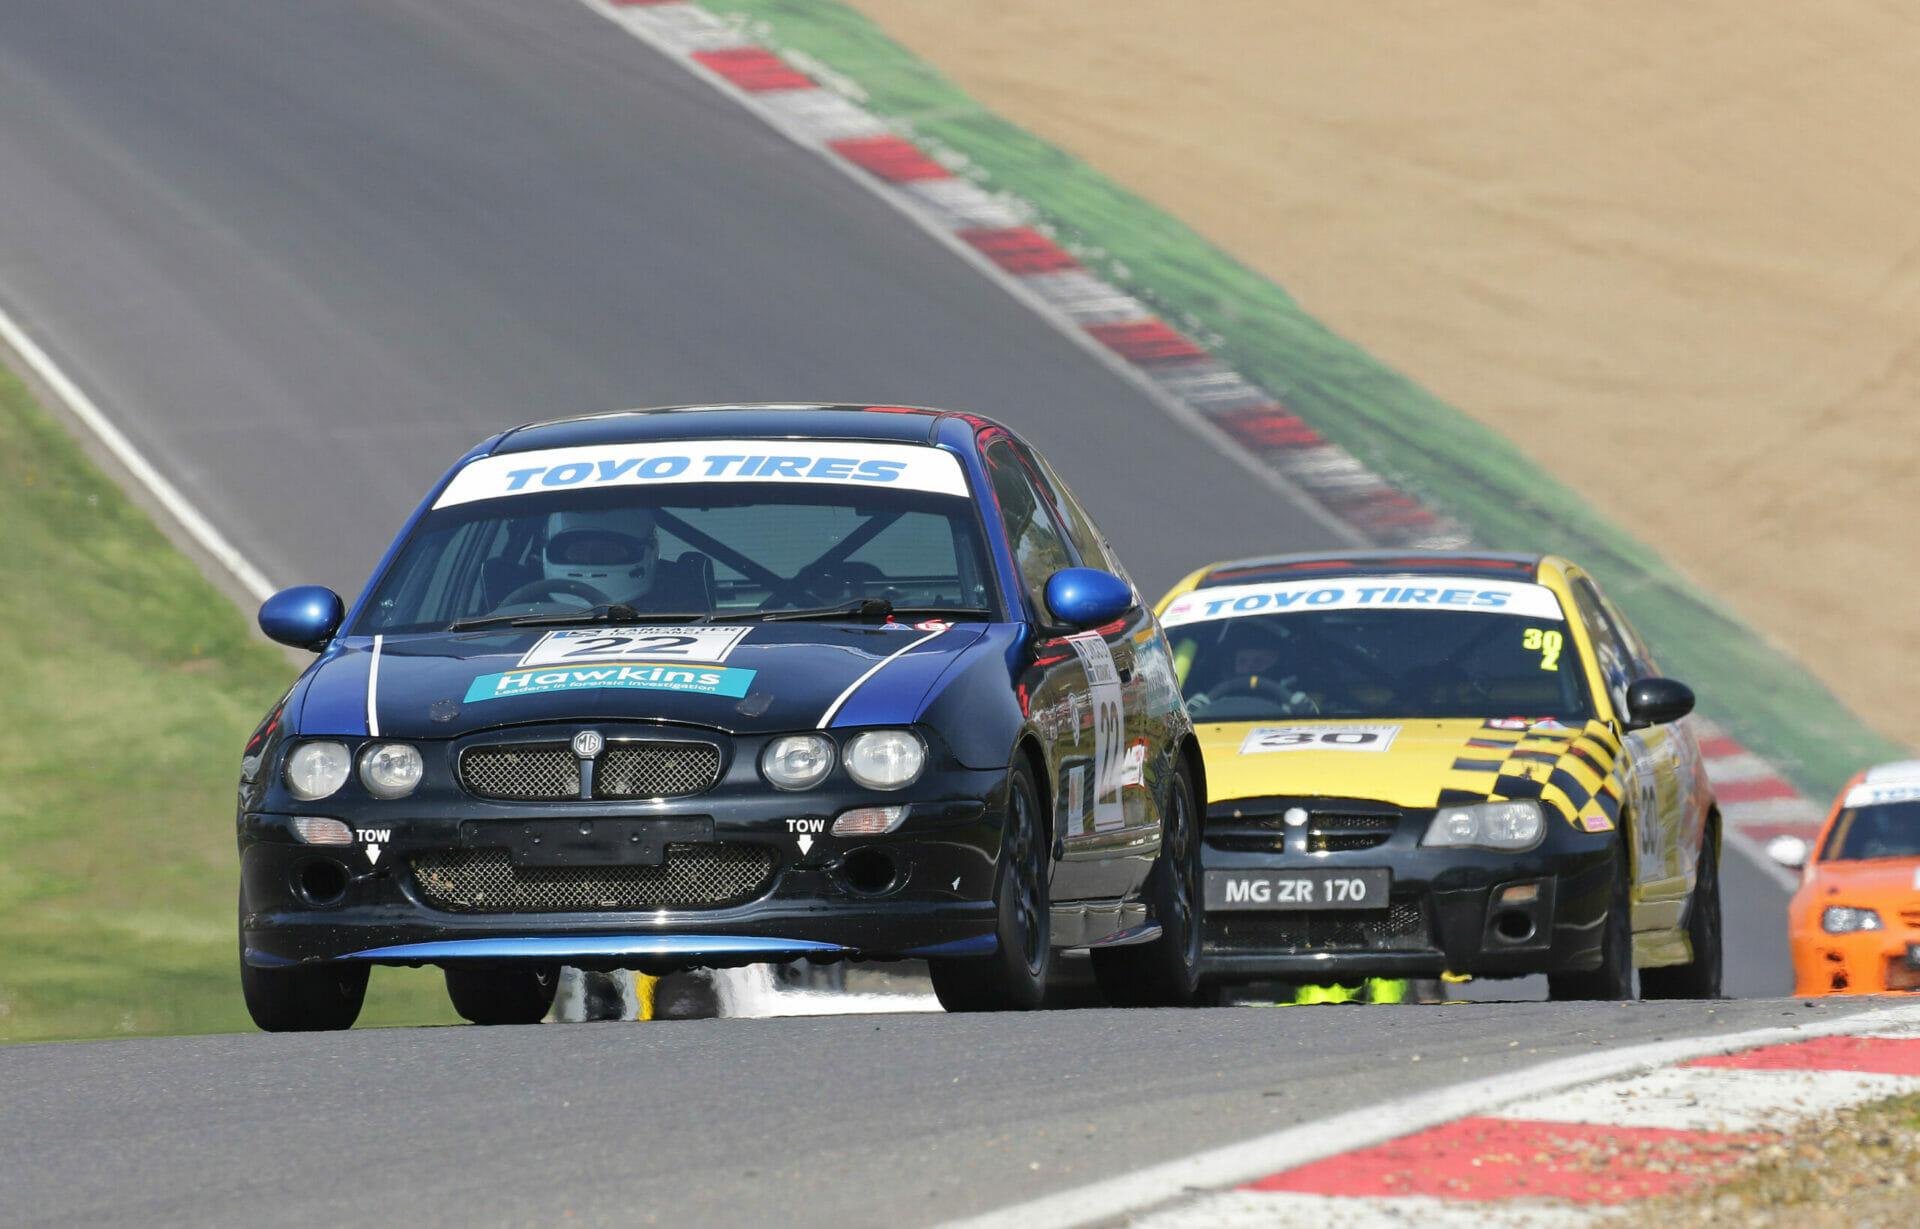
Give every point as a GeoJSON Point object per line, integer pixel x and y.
{"type": "Point", "coordinates": [1014, 978]}
{"type": "Point", "coordinates": [1613, 979]}
{"type": "Point", "coordinates": [1165, 972]}
{"type": "Point", "coordinates": [1701, 978]}
{"type": "Point", "coordinates": [305, 998]}
{"type": "Point", "coordinates": [503, 996]}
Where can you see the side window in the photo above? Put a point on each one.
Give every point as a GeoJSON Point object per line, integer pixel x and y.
{"type": "Point", "coordinates": [1643, 666]}
{"type": "Point", "coordinates": [1037, 546]}
{"type": "Point", "coordinates": [1091, 545]}
{"type": "Point", "coordinates": [1615, 659]}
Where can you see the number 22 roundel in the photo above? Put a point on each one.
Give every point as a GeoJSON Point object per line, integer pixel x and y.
{"type": "Point", "coordinates": [573, 646]}
{"type": "Point", "coordinates": [1109, 729]}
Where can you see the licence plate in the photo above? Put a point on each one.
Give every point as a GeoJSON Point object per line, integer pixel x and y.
{"type": "Point", "coordinates": [1306, 888]}
{"type": "Point", "coordinates": [585, 842]}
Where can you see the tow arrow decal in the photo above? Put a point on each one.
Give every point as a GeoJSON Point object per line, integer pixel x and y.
{"type": "Point", "coordinates": [805, 842]}
{"type": "Point", "coordinates": [373, 853]}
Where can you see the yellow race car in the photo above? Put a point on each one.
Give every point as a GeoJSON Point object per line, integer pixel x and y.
{"type": "Point", "coordinates": [1438, 763]}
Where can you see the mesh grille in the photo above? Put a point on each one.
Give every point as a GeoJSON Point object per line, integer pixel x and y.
{"type": "Point", "coordinates": [655, 769]}
{"type": "Point", "coordinates": [693, 876]}
{"type": "Point", "coordinates": [550, 772]}
{"type": "Point", "coordinates": [1330, 831]}
{"type": "Point", "coordinates": [1327, 831]}
{"type": "Point", "coordinates": [1402, 928]}
{"type": "Point", "coordinates": [527, 772]}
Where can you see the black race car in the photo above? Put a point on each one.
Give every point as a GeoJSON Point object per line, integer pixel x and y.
{"type": "Point", "coordinates": [715, 686]}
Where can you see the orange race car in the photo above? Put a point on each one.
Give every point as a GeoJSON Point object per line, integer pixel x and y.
{"type": "Point", "coordinates": [1854, 925]}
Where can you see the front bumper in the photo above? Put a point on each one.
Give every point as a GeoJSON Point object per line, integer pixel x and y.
{"type": "Point", "coordinates": [1864, 962]}
{"type": "Point", "coordinates": [1471, 912]}
{"type": "Point", "coordinates": [427, 892]}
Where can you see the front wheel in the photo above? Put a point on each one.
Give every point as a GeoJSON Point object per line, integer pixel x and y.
{"type": "Point", "coordinates": [1701, 978]}
{"type": "Point", "coordinates": [1612, 981]}
{"type": "Point", "coordinates": [503, 996]}
{"type": "Point", "coordinates": [302, 998]}
{"type": "Point", "coordinates": [1165, 972]}
{"type": "Point", "coordinates": [1014, 978]}
{"type": "Point", "coordinates": [305, 998]}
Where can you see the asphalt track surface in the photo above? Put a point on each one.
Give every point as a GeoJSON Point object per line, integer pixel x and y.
{"type": "Point", "coordinates": [305, 254]}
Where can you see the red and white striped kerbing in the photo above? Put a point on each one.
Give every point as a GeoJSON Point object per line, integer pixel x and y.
{"type": "Point", "coordinates": [997, 233]}
{"type": "Point", "coordinates": [1557, 1159]}
{"type": "Point", "coordinates": [1568, 1142]}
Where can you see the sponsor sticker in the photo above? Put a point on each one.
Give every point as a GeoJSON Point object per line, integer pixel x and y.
{"type": "Point", "coordinates": [704, 680]}
{"type": "Point", "coordinates": [1596, 823]}
{"type": "Point", "coordinates": [1369, 593]}
{"type": "Point", "coordinates": [1866, 795]}
{"type": "Point", "coordinates": [1266, 738]}
{"type": "Point", "coordinates": [653, 643]}
{"type": "Point", "coordinates": [913, 467]}
{"type": "Point", "coordinates": [1109, 728]}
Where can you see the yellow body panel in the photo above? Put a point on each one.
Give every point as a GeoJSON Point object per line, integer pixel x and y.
{"type": "Point", "coordinates": [1428, 762]}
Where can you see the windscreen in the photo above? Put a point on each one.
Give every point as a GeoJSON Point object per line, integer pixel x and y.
{"type": "Point", "coordinates": [1312, 649]}
{"type": "Point", "coordinates": [1877, 830]}
{"type": "Point", "coordinates": [508, 543]}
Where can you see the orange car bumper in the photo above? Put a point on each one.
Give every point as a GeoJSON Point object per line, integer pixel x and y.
{"type": "Point", "coordinates": [1867, 962]}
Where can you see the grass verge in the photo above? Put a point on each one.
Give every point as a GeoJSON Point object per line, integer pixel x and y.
{"type": "Point", "coordinates": [1423, 445]}
{"type": "Point", "coordinates": [1858, 1169]}
{"type": "Point", "coordinates": [129, 685]}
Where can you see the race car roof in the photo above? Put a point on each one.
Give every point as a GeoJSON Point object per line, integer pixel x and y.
{"type": "Point", "coordinates": [904, 424]}
{"type": "Point", "coordinates": [1490, 565]}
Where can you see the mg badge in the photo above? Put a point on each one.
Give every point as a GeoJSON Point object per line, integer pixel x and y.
{"type": "Point", "coordinates": [587, 744]}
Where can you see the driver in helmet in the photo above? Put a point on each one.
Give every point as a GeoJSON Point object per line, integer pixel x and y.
{"type": "Point", "coordinates": [609, 556]}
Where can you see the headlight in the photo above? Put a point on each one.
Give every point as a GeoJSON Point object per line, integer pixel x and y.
{"type": "Point", "coordinates": [797, 761]}
{"type": "Point", "coordinates": [1845, 920]}
{"type": "Point", "coordinates": [886, 759]}
{"type": "Point", "coordinates": [1488, 825]}
{"type": "Point", "coordinates": [391, 770]}
{"type": "Point", "coordinates": [316, 770]}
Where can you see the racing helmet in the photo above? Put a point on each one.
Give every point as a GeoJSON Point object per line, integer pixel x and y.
{"type": "Point", "coordinates": [617, 550]}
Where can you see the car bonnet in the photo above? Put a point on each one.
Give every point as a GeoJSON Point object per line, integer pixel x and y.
{"type": "Point", "coordinates": [1420, 762]}
{"type": "Point", "coordinates": [740, 678]}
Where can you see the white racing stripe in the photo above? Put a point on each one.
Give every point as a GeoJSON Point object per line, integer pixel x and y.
{"type": "Point", "coordinates": [373, 689]}
{"type": "Point", "coordinates": [846, 695]}
{"type": "Point", "coordinates": [176, 505]}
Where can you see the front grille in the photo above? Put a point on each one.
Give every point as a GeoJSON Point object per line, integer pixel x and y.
{"type": "Point", "coordinates": [522, 773]}
{"type": "Point", "coordinates": [1327, 831]}
{"type": "Point", "coordinates": [655, 769]}
{"type": "Point", "coordinates": [692, 877]}
{"type": "Point", "coordinates": [1911, 917]}
{"type": "Point", "coordinates": [1403, 927]}
{"type": "Point", "coordinates": [550, 772]}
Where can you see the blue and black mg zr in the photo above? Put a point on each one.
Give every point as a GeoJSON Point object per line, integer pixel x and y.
{"type": "Point", "coordinates": [714, 686]}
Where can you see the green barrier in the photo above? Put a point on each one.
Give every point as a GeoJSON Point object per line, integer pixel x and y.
{"type": "Point", "coordinates": [1426, 447]}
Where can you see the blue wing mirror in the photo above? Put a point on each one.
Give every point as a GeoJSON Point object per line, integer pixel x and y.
{"type": "Point", "coordinates": [1656, 701]}
{"type": "Point", "coordinates": [1087, 597]}
{"type": "Point", "coordinates": [305, 616]}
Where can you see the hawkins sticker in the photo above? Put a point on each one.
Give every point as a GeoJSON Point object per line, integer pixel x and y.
{"type": "Point", "coordinates": [704, 680]}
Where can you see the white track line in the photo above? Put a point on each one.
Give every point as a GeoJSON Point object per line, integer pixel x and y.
{"type": "Point", "coordinates": [1375, 1124]}
{"type": "Point", "coordinates": [176, 505]}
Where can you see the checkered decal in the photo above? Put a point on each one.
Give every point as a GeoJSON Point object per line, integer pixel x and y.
{"type": "Point", "coordinates": [1572, 769]}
